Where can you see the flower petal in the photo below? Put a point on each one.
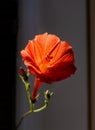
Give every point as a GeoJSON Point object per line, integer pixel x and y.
{"type": "Point", "coordinates": [61, 73]}
{"type": "Point", "coordinates": [29, 62]}
{"type": "Point", "coordinates": [46, 42]}
{"type": "Point", "coordinates": [59, 52]}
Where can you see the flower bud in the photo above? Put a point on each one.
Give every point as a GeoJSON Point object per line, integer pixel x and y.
{"type": "Point", "coordinates": [48, 94]}
{"type": "Point", "coordinates": [23, 73]}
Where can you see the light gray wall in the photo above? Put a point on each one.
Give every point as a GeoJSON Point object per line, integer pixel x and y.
{"type": "Point", "coordinates": [67, 19]}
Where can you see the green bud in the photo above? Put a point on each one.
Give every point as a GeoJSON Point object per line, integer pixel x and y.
{"type": "Point", "coordinates": [48, 94]}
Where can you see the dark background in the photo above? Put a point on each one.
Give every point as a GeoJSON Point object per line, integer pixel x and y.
{"type": "Point", "coordinates": [8, 35]}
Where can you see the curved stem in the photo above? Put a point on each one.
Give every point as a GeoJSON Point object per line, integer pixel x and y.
{"type": "Point", "coordinates": [26, 114]}
{"type": "Point", "coordinates": [31, 111]}
{"type": "Point", "coordinates": [41, 109]}
{"type": "Point", "coordinates": [27, 87]}
{"type": "Point", "coordinates": [47, 96]}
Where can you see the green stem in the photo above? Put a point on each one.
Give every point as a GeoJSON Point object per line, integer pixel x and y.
{"type": "Point", "coordinates": [41, 109]}
{"type": "Point", "coordinates": [27, 87]}
{"type": "Point", "coordinates": [31, 111]}
{"type": "Point", "coordinates": [26, 114]}
{"type": "Point", "coordinates": [47, 96]}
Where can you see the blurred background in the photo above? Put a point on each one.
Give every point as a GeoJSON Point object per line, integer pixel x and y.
{"type": "Point", "coordinates": [68, 109]}
{"type": "Point", "coordinates": [72, 105]}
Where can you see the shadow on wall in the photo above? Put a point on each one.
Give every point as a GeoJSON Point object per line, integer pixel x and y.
{"type": "Point", "coordinates": [8, 30]}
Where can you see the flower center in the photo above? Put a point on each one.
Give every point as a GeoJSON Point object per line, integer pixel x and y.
{"type": "Point", "coordinates": [44, 64]}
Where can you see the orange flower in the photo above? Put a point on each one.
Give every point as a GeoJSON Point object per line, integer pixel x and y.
{"type": "Point", "coordinates": [49, 59]}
